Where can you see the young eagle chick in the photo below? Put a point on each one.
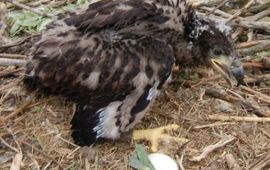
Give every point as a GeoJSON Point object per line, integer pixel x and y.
{"type": "Point", "coordinates": [113, 57]}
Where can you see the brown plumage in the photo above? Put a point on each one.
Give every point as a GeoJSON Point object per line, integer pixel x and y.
{"type": "Point", "coordinates": [113, 58]}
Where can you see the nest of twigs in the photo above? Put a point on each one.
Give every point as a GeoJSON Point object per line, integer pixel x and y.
{"type": "Point", "coordinates": [228, 128]}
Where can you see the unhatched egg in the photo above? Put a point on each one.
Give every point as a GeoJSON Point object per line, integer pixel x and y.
{"type": "Point", "coordinates": [161, 161]}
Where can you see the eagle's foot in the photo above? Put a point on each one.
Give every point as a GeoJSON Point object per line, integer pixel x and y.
{"type": "Point", "coordinates": [154, 136]}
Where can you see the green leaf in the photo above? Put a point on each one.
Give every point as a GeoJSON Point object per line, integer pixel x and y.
{"type": "Point", "coordinates": [139, 159]}
{"type": "Point", "coordinates": [80, 2]}
{"type": "Point", "coordinates": [43, 24]}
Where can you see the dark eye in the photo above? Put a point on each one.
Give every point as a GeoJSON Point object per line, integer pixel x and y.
{"type": "Point", "coordinates": [217, 51]}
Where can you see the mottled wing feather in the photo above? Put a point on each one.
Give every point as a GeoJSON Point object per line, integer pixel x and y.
{"type": "Point", "coordinates": [115, 14]}
{"type": "Point", "coordinates": [114, 76]}
{"type": "Point", "coordinates": [117, 76]}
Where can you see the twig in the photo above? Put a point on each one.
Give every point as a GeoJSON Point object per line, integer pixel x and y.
{"type": "Point", "coordinates": [253, 65]}
{"type": "Point", "coordinates": [265, 133]}
{"type": "Point", "coordinates": [9, 72]}
{"type": "Point", "coordinates": [44, 154]}
{"type": "Point", "coordinates": [237, 118]}
{"type": "Point", "coordinates": [260, 7]}
{"type": "Point", "coordinates": [225, 140]}
{"type": "Point", "coordinates": [86, 164]}
{"type": "Point", "coordinates": [213, 78]}
{"type": "Point", "coordinates": [7, 145]}
{"type": "Point", "coordinates": [15, 43]}
{"type": "Point", "coordinates": [260, 163]}
{"type": "Point", "coordinates": [239, 12]}
{"type": "Point", "coordinates": [28, 8]}
{"type": "Point", "coordinates": [16, 163]}
{"type": "Point", "coordinates": [217, 7]}
{"type": "Point", "coordinates": [261, 96]}
{"type": "Point", "coordinates": [251, 43]}
{"type": "Point", "coordinates": [68, 142]}
{"type": "Point", "coordinates": [216, 11]}
{"type": "Point", "coordinates": [197, 3]}
{"type": "Point", "coordinates": [260, 15]}
{"type": "Point", "coordinates": [71, 153]}
{"type": "Point", "coordinates": [11, 62]}
{"type": "Point", "coordinates": [17, 111]}
{"type": "Point", "coordinates": [217, 93]}
{"type": "Point", "coordinates": [213, 124]}
{"type": "Point", "coordinates": [258, 79]}
{"type": "Point", "coordinates": [262, 46]}
{"type": "Point", "coordinates": [232, 165]}
{"type": "Point", "coordinates": [259, 25]}
{"type": "Point", "coordinates": [180, 160]}
{"type": "Point", "coordinates": [5, 55]}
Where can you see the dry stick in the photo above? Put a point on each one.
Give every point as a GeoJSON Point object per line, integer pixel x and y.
{"type": "Point", "coordinates": [217, 11]}
{"type": "Point", "coordinates": [237, 118]}
{"type": "Point", "coordinates": [253, 65]}
{"type": "Point", "coordinates": [225, 140]}
{"type": "Point", "coordinates": [11, 62]}
{"type": "Point", "coordinates": [15, 43]}
{"type": "Point", "coordinates": [27, 8]}
{"type": "Point", "coordinates": [197, 3]}
{"type": "Point", "coordinates": [251, 43]}
{"type": "Point", "coordinates": [213, 124]}
{"type": "Point", "coordinates": [232, 165]}
{"type": "Point", "coordinates": [7, 145]}
{"type": "Point", "coordinates": [260, 163]}
{"type": "Point", "coordinates": [265, 133]}
{"type": "Point", "coordinates": [17, 111]}
{"type": "Point", "coordinates": [239, 12]}
{"type": "Point", "coordinates": [262, 46]}
{"type": "Point", "coordinates": [219, 5]}
{"type": "Point", "coordinates": [5, 55]}
{"type": "Point", "coordinates": [214, 78]}
{"type": "Point", "coordinates": [16, 163]}
{"type": "Point", "coordinates": [180, 160]}
{"type": "Point", "coordinates": [9, 72]}
{"type": "Point", "coordinates": [259, 7]}
{"type": "Point", "coordinates": [44, 154]}
{"type": "Point", "coordinates": [260, 25]}
{"type": "Point", "coordinates": [261, 96]}
{"type": "Point", "coordinates": [259, 15]}
{"type": "Point", "coordinates": [214, 92]}
{"type": "Point", "coordinates": [86, 164]}
{"type": "Point", "coordinates": [243, 23]}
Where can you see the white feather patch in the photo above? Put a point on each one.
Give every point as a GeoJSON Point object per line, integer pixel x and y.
{"type": "Point", "coordinates": [106, 126]}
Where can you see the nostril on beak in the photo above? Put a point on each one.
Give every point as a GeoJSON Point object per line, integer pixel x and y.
{"type": "Point", "coordinates": [236, 62]}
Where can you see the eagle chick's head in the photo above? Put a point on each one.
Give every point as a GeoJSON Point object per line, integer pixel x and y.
{"type": "Point", "coordinates": [213, 45]}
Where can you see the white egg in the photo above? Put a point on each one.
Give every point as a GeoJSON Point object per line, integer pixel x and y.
{"type": "Point", "coordinates": [161, 161]}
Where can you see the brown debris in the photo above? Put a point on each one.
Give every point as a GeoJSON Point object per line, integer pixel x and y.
{"type": "Point", "coordinates": [260, 163]}
{"type": "Point", "coordinates": [232, 165]}
{"type": "Point", "coordinates": [225, 140]}
{"type": "Point", "coordinates": [40, 137]}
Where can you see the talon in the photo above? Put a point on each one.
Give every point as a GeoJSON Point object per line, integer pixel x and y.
{"type": "Point", "coordinates": [154, 136]}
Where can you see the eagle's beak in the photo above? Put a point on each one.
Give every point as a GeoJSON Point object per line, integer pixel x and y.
{"type": "Point", "coordinates": [229, 67]}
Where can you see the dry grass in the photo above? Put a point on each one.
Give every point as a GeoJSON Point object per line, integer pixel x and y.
{"type": "Point", "coordinates": [35, 129]}
{"type": "Point", "coordinates": [41, 131]}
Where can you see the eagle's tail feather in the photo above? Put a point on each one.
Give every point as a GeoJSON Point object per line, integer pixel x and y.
{"type": "Point", "coordinates": [83, 124]}
{"type": "Point", "coordinates": [30, 83]}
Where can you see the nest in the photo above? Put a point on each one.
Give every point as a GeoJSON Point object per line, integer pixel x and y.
{"type": "Point", "coordinates": [227, 128]}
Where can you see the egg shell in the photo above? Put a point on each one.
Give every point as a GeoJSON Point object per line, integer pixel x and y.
{"type": "Point", "coordinates": [161, 161]}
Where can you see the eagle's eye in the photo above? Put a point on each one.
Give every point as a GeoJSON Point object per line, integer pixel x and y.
{"type": "Point", "coordinates": [217, 51]}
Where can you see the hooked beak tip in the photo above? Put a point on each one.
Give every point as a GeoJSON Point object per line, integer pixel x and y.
{"type": "Point", "coordinates": [238, 73]}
